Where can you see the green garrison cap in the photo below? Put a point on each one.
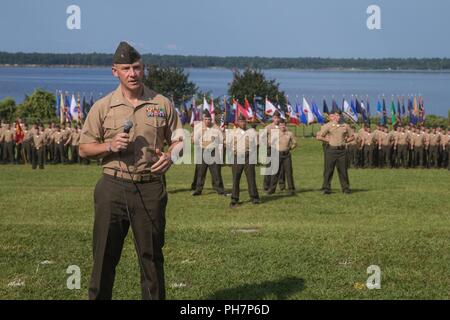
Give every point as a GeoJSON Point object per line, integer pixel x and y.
{"type": "Point", "coordinates": [125, 54]}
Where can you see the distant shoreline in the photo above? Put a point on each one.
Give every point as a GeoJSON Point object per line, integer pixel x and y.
{"type": "Point", "coordinates": [18, 66]}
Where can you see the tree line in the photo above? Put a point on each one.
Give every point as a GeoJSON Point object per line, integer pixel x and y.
{"type": "Point", "coordinates": [102, 59]}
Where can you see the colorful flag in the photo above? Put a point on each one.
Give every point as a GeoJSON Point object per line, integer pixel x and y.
{"type": "Point", "coordinates": [259, 110]}
{"type": "Point", "coordinates": [212, 110]}
{"type": "Point", "coordinates": [62, 109]}
{"type": "Point", "coordinates": [20, 135]}
{"type": "Point", "coordinates": [383, 118]}
{"type": "Point", "coordinates": [302, 116]}
{"type": "Point", "coordinates": [80, 115]}
{"type": "Point", "coordinates": [293, 117]}
{"type": "Point", "coordinates": [421, 110]}
{"type": "Point", "coordinates": [348, 111]}
{"type": "Point", "coordinates": [249, 110]}
{"type": "Point", "coordinates": [403, 106]}
{"type": "Point", "coordinates": [379, 107]}
{"type": "Point", "coordinates": [67, 109]}
{"type": "Point", "coordinates": [229, 113]}
{"type": "Point", "coordinates": [353, 106]}
{"type": "Point", "coordinates": [368, 108]}
{"type": "Point", "coordinates": [363, 111]}
{"type": "Point", "coordinates": [393, 117]}
{"type": "Point", "coordinates": [270, 108]}
{"type": "Point", "coordinates": [317, 114]}
{"type": "Point", "coordinates": [242, 110]}
{"type": "Point", "coordinates": [58, 105]}
{"type": "Point", "coordinates": [334, 106]}
{"type": "Point", "coordinates": [84, 107]}
{"type": "Point", "coordinates": [308, 111]}
{"type": "Point", "coordinates": [325, 107]}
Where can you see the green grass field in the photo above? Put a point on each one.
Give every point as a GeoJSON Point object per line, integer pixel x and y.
{"type": "Point", "coordinates": [309, 246]}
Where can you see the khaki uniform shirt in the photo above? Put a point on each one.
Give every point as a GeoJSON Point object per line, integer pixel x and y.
{"type": "Point", "coordinates": [242, 140]}
{"type": "Point", "coordinates": [385, 139]}
{"type": "Point", "coordinates": [58, 137]}
{"type": "Point", "coordinates": [39, 140]}
{"type": "Point", "coordinates": [269, 129]}
{"type": "Point", "coordinates": [337, 133]}
{"type": "Point", "coordinates": [368, 138]}
{"type": "Point", "coordinates": [418, 139]}
{"type": "Point", "coordinates": [28, 135]}
{"type": "Point", "coordinates": [48, 133]}
{"type": "Point", "coordinates": [8, 135]}
{"type": "Point", "coordinates": [376, 134]}
{"type": "Point", "coordinates": [434, 139]}
{"type": "Point", "coordinates": [445, 140]}
{"type": "Point", "coordinates": [75, 138]}
{"type": "Point", "coordinates": [402, 138]}
{"type": "Point", "coordinates": [207, 135]}
{"type": "Point", "coordinates": [356, 140]}
{"type": "Point", "coordinates": [287, 141]}
{"type": "Point", "coordinates": [154, 123]}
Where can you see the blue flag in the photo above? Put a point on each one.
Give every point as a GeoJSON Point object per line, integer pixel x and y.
{"type": "Point", "coordinates": [230, 113]}
{"type": "Point", "coordinates": [325, 107]}
{"type": "Point", "coordinates": [317, 113]}
{"type": "Point", "coordinates": [67, 108]}
{"type": "Point", "coordinates": [302, 115]}
{"type": "Point", "coordinates": [58, 105]}
{"type": "Point", "coordinates": [334, 106]}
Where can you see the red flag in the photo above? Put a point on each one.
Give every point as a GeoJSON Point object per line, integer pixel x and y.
{"type": "Point", "coordinates": [19, 133]}
{"type": "Point", "coordinates": [243, 111]}
{"type": "Point", "coordinates": [249, 110]}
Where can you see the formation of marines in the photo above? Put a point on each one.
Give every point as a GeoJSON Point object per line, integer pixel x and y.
{"type": "Point", "coordinates": [401, 147]}
{"type": "Point", "coordinates": [39, 145]}
{"type": "Point", "coordinates": [240, 145]}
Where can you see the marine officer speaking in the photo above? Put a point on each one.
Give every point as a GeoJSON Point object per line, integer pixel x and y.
{"type": "Point", "coordinates": [130, 191]}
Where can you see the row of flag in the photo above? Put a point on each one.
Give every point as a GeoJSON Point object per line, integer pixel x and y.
{"type": "Point", "coordinates": [72, 107]}
{"type": "Point", "coordinates": [307, 111]}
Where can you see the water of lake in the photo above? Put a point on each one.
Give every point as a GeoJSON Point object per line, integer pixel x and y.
{"type": "Point", "coordinates": [433, 86]}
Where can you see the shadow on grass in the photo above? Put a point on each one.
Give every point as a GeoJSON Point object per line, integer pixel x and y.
{"type": "Point", "coordinates": [282, 289]}
{"type": "Point", "coordinates": [274, 197]}
{"type": "Point", "coordinates": [173, 191]}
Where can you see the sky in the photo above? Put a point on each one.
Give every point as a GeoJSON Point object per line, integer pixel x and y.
{"type": "Point", "coordinates": [269, 28]}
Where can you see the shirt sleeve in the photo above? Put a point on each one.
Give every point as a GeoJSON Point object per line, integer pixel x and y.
{"type": "Point", "coordinates": [174, 129]}
{"type": "Point", "coordinates": [92, 131]}
{"type": "Point", "coordinates": [323, 131]}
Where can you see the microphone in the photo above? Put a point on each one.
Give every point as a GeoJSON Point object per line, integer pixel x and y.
{"type": "Point", "coordinates": [128, 124]}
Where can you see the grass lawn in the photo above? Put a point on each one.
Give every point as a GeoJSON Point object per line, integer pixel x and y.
{"type": "Point", "coordinates": [308, 246]}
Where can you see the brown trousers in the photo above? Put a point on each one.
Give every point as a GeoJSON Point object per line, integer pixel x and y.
{"type": "Point", "coordinates": [147, 204]}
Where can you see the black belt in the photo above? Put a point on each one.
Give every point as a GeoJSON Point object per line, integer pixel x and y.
{"type": "Point", "coordinates": [336, 148]}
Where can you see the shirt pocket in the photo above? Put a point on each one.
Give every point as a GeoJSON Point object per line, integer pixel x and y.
{"type": "Point", "coordinates": [154, 130]}
{"type": "Point", "coordinates": [112, 127]}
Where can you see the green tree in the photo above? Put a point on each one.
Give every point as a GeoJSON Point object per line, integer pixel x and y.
{"type": "Point", "coordinates": [435, 121]}
{"type": "Point", "coordinates": [253, 82]}
{"type": "Point", "coordinates": [40, 106]}
{"type": "Point", "coordinates": [7, 109]}
{"type": "Point", "coordinates": [172, 82]}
